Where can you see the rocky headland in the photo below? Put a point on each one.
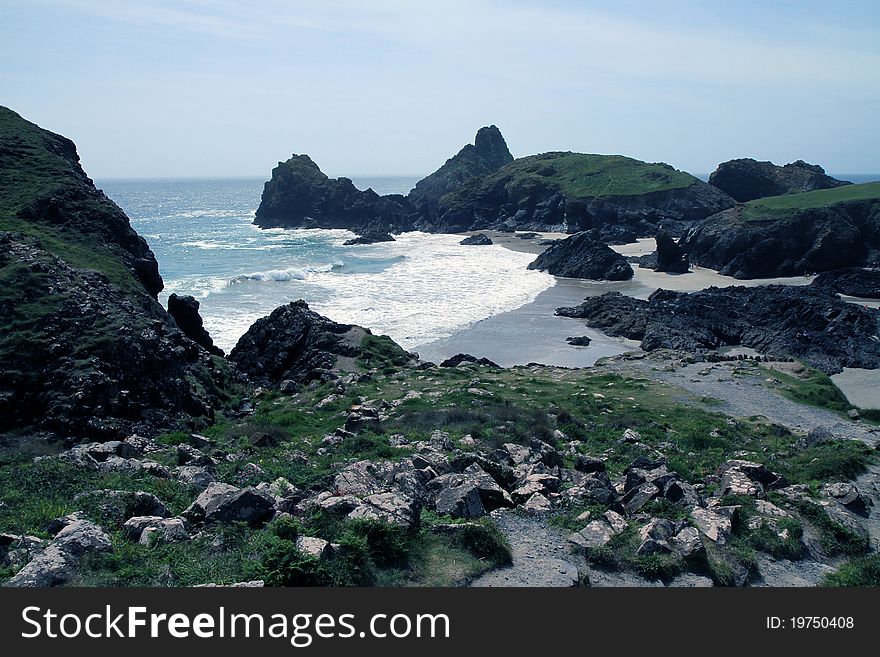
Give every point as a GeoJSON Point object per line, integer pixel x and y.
{"type": "Point", "coordinates": [86, 350]}
{"type": "Point", "coordinates": [487, 154]}
{"type": "Point", "coordinates": [300, 195]}
{"type": "Point", "coordinates": [318, 453]}
{"type": "Point", "coordinates": [791, 235]}
{"type": "Point", "coordinates": [620, 197]}
{"type": "Point", "coordinates": [747, 179]}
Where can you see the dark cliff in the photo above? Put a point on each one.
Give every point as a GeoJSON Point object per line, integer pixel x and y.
{"type": "Point", "coordinates": [746, 179]}
{"type": "Point", "coordinates": [86, 350]}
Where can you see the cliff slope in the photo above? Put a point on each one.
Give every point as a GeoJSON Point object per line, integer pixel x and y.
{"type": "Point", "coordinates": [86, 349]}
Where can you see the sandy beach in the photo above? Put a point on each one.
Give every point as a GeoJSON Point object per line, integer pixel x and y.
{"type": "Point", "coordinates": [533, 333]}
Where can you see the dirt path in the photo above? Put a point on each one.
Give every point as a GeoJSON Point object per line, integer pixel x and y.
{"type": "Point", "coordinates": [745, 394]}
{"type": "Point", "coordinates": [540, 555]}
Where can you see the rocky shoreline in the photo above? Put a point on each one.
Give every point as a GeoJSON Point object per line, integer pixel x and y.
{"type": "Point", "coordinates": [134, 453]}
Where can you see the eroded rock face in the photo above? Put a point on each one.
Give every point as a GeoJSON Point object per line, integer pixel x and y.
{"type": "Point", "coordinates": [296, 344]}
{"type": "Point", "coordinates": [488, 153]}
{"type": "Point", "coordinates": [669, 256]}
{"type": "Point", "coordinates": [780, 320]}
{"type": "Point", "coordinates": [853, 281]}
{"type": "Point", "coordinates": [746, 242]}
{"type": "Point", "coordinates": [300, 195]}
{"type": "Point", "coordinates": [185, 311]}
{"type": "Point", "coordinates": [92, 352]}
{"type": "Point", "coordinates": [746, 179]}
{"type": "Point", "coordinates": [582, 256]}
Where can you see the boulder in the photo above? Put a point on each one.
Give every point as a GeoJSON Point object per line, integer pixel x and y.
{"type": "Point", "coordinates": [150, 530]}
{"type": "Point", "coordinates": [715, 524]}
{"type": "Point", "coordinates": [314, 547]}
{"type": "Point", "coordinates": [581, 256]}
{"type": "Point", "coordinates": [460, 359]}
{"type": "Point", "coordinates": [849, 496]}
{"type": "Point", "coordinates": [476, 240]}
{"type": "Point", "coordinates": [370, 237]}
{"type": "Point", "coordinates": [223, 503]}
{"type": "Point", "coordinates": [595, 535]}
{"type": "Point", "coordinates": [59, 562]}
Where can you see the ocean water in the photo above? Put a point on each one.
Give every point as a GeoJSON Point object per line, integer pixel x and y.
{"type": "Point", "coordinates": [418, 289]}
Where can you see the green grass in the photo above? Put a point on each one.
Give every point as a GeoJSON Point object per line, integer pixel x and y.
{"type": "Point", "coordinates": [858, 572]}
{"type": "Point", "coordinates": [811, 387]}
{"type": "Point", "coordinates": [579, 175]}
{"type": "Point", "coordinates": [779, 207]}
{"type": "Point", "coordinates": [34, 494]}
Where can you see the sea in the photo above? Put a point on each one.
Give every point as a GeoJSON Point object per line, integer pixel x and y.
{"type": "Point", "coordinates": [425, 291]}
{"type": "Point", "coordinates": [418, 289]}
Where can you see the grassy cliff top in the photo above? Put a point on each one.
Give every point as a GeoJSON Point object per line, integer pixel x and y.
{"type": "Point", "coordinates": [578, 175]}
{"type": "Point", "coordinates": [37, 165]}
{"type": "Point", "coordinates": [780, 207]}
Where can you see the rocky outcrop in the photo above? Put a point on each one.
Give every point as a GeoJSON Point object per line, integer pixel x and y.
{"type": "Point", "coordinates": [185, 311]}
{"type": "Point", "coordinates": [621, 197]}
{"type": "Point", "coordinates": [299, 345]}
{"type": "Point", "coordinates": [476, 240]}
{"type": "Point", "coordinates": [582, 256]}
{"type": "Point", "coordinates": [764, 239]}
{"type": "Point", "coordinates": [779, 320]}
{"type": "Point", "coordinates": [300, 195]}
{"type": "Point", "coordinates": [86, 349]}
{"type": "Point", "coordinates": [746, 179]}
{"type": "Point", "coordinates": [669, 256]}
{"type": "Point", "coordinates": [487, 154]}
{"type": "Point", "coordinates": [854, 282]}
{"type": "Point", "coordinates": [60, 561]}
{"type": "Point", "coordinates": [369, 237]}
{"type": "Point", "coordinates": [223, 503]}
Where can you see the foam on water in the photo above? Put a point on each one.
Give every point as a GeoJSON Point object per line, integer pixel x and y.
{"type": "Point", "coordinates": [417, 289]}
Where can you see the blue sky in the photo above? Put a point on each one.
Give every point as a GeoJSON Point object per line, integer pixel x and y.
{"type": "Point", "coordinates": [215, 88]}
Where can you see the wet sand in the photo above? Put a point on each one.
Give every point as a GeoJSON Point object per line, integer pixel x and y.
{"type": "Point", "coordinates": [861, 387]}
{"type": "Point", "coordinates": [534, 334]}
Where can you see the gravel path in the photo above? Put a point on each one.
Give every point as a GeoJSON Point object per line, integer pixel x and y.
{"type": "Point", "coordinates": [540, 555]}
{"type": "Point", "coordinates": [746, 394]}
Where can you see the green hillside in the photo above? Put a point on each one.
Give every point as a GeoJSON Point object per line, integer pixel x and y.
{"type": "Point", "coordinates": [780, 207]}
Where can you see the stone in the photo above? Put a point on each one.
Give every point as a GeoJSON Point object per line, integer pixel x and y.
{"type": "Point", "coordinates": [314, 547]}
{"type": "Point", "coordinates": [638, 497]}
{"type": "Point", "coordinates": [476, 240]}
{"type": "Point", "coordinates": [195, 476]}
{"type": "Point", "coordinates": [715, 524]}
{"type": "Point", "coordinates": [223, 503]}
{"type": "Point", "coordinates": [595, 535]}
{"type": "Point", "coordinates": [849, 496]}
{"type": "Point", "coordinates": [161, 530]}
{"type": "Point", "coordinates": [59, 562]}
{"type": "Point", "coordinates": [537, 503]}
{"type": "Point", "coordinates": [687, 544]}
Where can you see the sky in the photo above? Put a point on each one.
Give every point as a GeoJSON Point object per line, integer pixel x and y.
{"type": "Point", "coordinates": [160, 88]}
